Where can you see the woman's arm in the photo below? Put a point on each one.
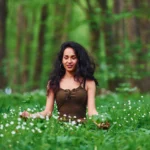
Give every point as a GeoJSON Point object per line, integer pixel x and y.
{"type": "Point", "coordinates": [48, 109]}
{"type": "Point", "coordinates": [91, 89]}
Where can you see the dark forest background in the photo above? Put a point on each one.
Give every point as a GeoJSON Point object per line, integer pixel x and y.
{"type": "Point", "coordinates": [116, 33]}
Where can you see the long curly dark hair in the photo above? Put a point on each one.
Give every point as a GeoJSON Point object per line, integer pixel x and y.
{"type": "Point", "coordinates": [85, 66]}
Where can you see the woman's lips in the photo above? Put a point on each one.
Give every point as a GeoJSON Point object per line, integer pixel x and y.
{"type": "Point", "coordinates": [69, 66]}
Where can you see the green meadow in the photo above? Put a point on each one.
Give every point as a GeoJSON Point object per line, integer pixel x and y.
{"type": "Point", "coordinates": [129, 116]}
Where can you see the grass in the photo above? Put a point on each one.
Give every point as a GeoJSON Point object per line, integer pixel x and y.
{"type": "Point", "coordinates": [130, 124]}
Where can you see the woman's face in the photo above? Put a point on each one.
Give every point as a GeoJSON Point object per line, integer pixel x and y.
{"type": "Point", "coordinates": [69, 59]}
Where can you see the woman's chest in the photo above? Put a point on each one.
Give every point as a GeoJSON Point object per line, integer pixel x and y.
{"type": "Point", "coordinates": [76, 95]}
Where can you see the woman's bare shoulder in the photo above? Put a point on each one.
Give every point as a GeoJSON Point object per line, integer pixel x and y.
{"type": "Point", "coordinates": [90, 83]}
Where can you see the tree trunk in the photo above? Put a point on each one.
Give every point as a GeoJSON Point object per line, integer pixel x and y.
{"type": "Point", "coordinates": [142, 56]}
{"type": "Point", "coordinates": [62, 11]}
{"type": "Point", "coordinates": [40, 50]}
{"type": "Point", "coordinates": [21, 32]}
{"type": "Point", "coordinates": [3, 15]}
{"type": "Point", "coordinates": [118, 31]}
{"type": "Point", "coordinates": [94, 27]}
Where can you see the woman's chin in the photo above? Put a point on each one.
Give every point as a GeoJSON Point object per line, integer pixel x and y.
{"type": "Point", "coordinates": [70, 70]}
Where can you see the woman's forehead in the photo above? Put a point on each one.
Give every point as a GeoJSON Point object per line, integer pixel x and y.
{"type": "Point", "coordinates": [69, 51]}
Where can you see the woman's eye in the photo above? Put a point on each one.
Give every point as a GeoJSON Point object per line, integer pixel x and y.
{"type": "Point", "coordinates": [74, 57]}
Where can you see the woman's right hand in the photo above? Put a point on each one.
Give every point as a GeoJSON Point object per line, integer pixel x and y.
{"type": "Point", "coordinates": [25, 114]}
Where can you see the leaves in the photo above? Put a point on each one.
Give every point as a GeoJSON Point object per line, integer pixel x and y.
{"type": "Point", "coordinates": [103, 117]}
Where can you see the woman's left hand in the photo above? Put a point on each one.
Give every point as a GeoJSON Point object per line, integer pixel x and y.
{"type": "Point", "coordinates": [103, 125]}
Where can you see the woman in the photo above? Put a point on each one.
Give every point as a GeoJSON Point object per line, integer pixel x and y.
{"type": "Point", "coordinates": [72, 85]}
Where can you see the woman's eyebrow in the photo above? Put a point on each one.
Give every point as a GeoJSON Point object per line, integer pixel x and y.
{"type": "Point", "coordinates": [70, 55]}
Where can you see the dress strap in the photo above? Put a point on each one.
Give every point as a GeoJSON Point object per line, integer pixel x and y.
{"type": "Point", "coordinates": [84, 81]}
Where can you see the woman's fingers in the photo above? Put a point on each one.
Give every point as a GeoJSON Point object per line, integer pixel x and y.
{"type": "Point", "coordinates": [105, 125]}
{"type": "Point", "coordinates": [25, 114]}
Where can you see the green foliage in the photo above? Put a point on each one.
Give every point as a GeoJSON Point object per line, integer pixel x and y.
{"type": "Point", "coordinates": [126, 88]}
{"type": "Point", "coordinates": [118, 56]}
{"type": "Point", "coordinates": [103, 117]}
{"type": "Point", "coordinates": [128, 115]}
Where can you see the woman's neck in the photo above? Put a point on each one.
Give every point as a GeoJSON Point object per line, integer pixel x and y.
{"type": "Point", "coordinates": [69, 75]}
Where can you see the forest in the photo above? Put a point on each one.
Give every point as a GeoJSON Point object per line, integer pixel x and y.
{"type": "Point", "coordinates": [116, 33]}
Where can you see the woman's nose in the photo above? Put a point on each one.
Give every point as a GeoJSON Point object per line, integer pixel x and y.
{"type": "Point", "coordinates": [69, 60]}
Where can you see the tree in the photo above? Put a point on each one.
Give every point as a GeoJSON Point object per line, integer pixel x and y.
{"type": "Point", "coordinates": [3, 15]}
{"type": "Point", "coordinates": [40, 49]}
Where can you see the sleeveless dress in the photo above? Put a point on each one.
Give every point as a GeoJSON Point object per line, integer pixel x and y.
{"type": "Point", "coordinates": [71, 104]}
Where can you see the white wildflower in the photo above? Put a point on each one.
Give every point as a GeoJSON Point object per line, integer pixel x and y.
{"type": "Point", "coordinates": [77, 127]}
{"type": "Point", "coordinates": [19, 119]}
{"type": "Point", "coordinates": [20, 113]}
{"type": "Point", "coordinates": [23, 127]}
{"type": "Point", "coordinates": [1, 126]}
{"type": "Point", "coordinates": [24, 123]}
{"type": "Point", "coordinates": [11, 122]}
{"type": "Point", "coordinates": [5, 116]}
{"type": "Point", "coordinates": [1, 135]}
{"type": "Point", "coordinates": [73, 123]}
{"type": "Point", "coordinates": [113, 107]}
{"type": "Point", "coordinates": [129, 102]}
{"type": "Point", "coordinates": [28, 109]}
{"type": "Point", "coordinates": [18, 127]}
{"type": "Point", "coordinates": [78, 120]}
{"type": "Point", "coordinates": [13, 132]}
{"type": "Point", "coordinates": [39, 131]}
{"type": "Point", "coordinates": [6, 125]}
{"type": "Point", "coordinates": [31, 124]}
{"type": "Point", "coordinates": [47, 118]}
